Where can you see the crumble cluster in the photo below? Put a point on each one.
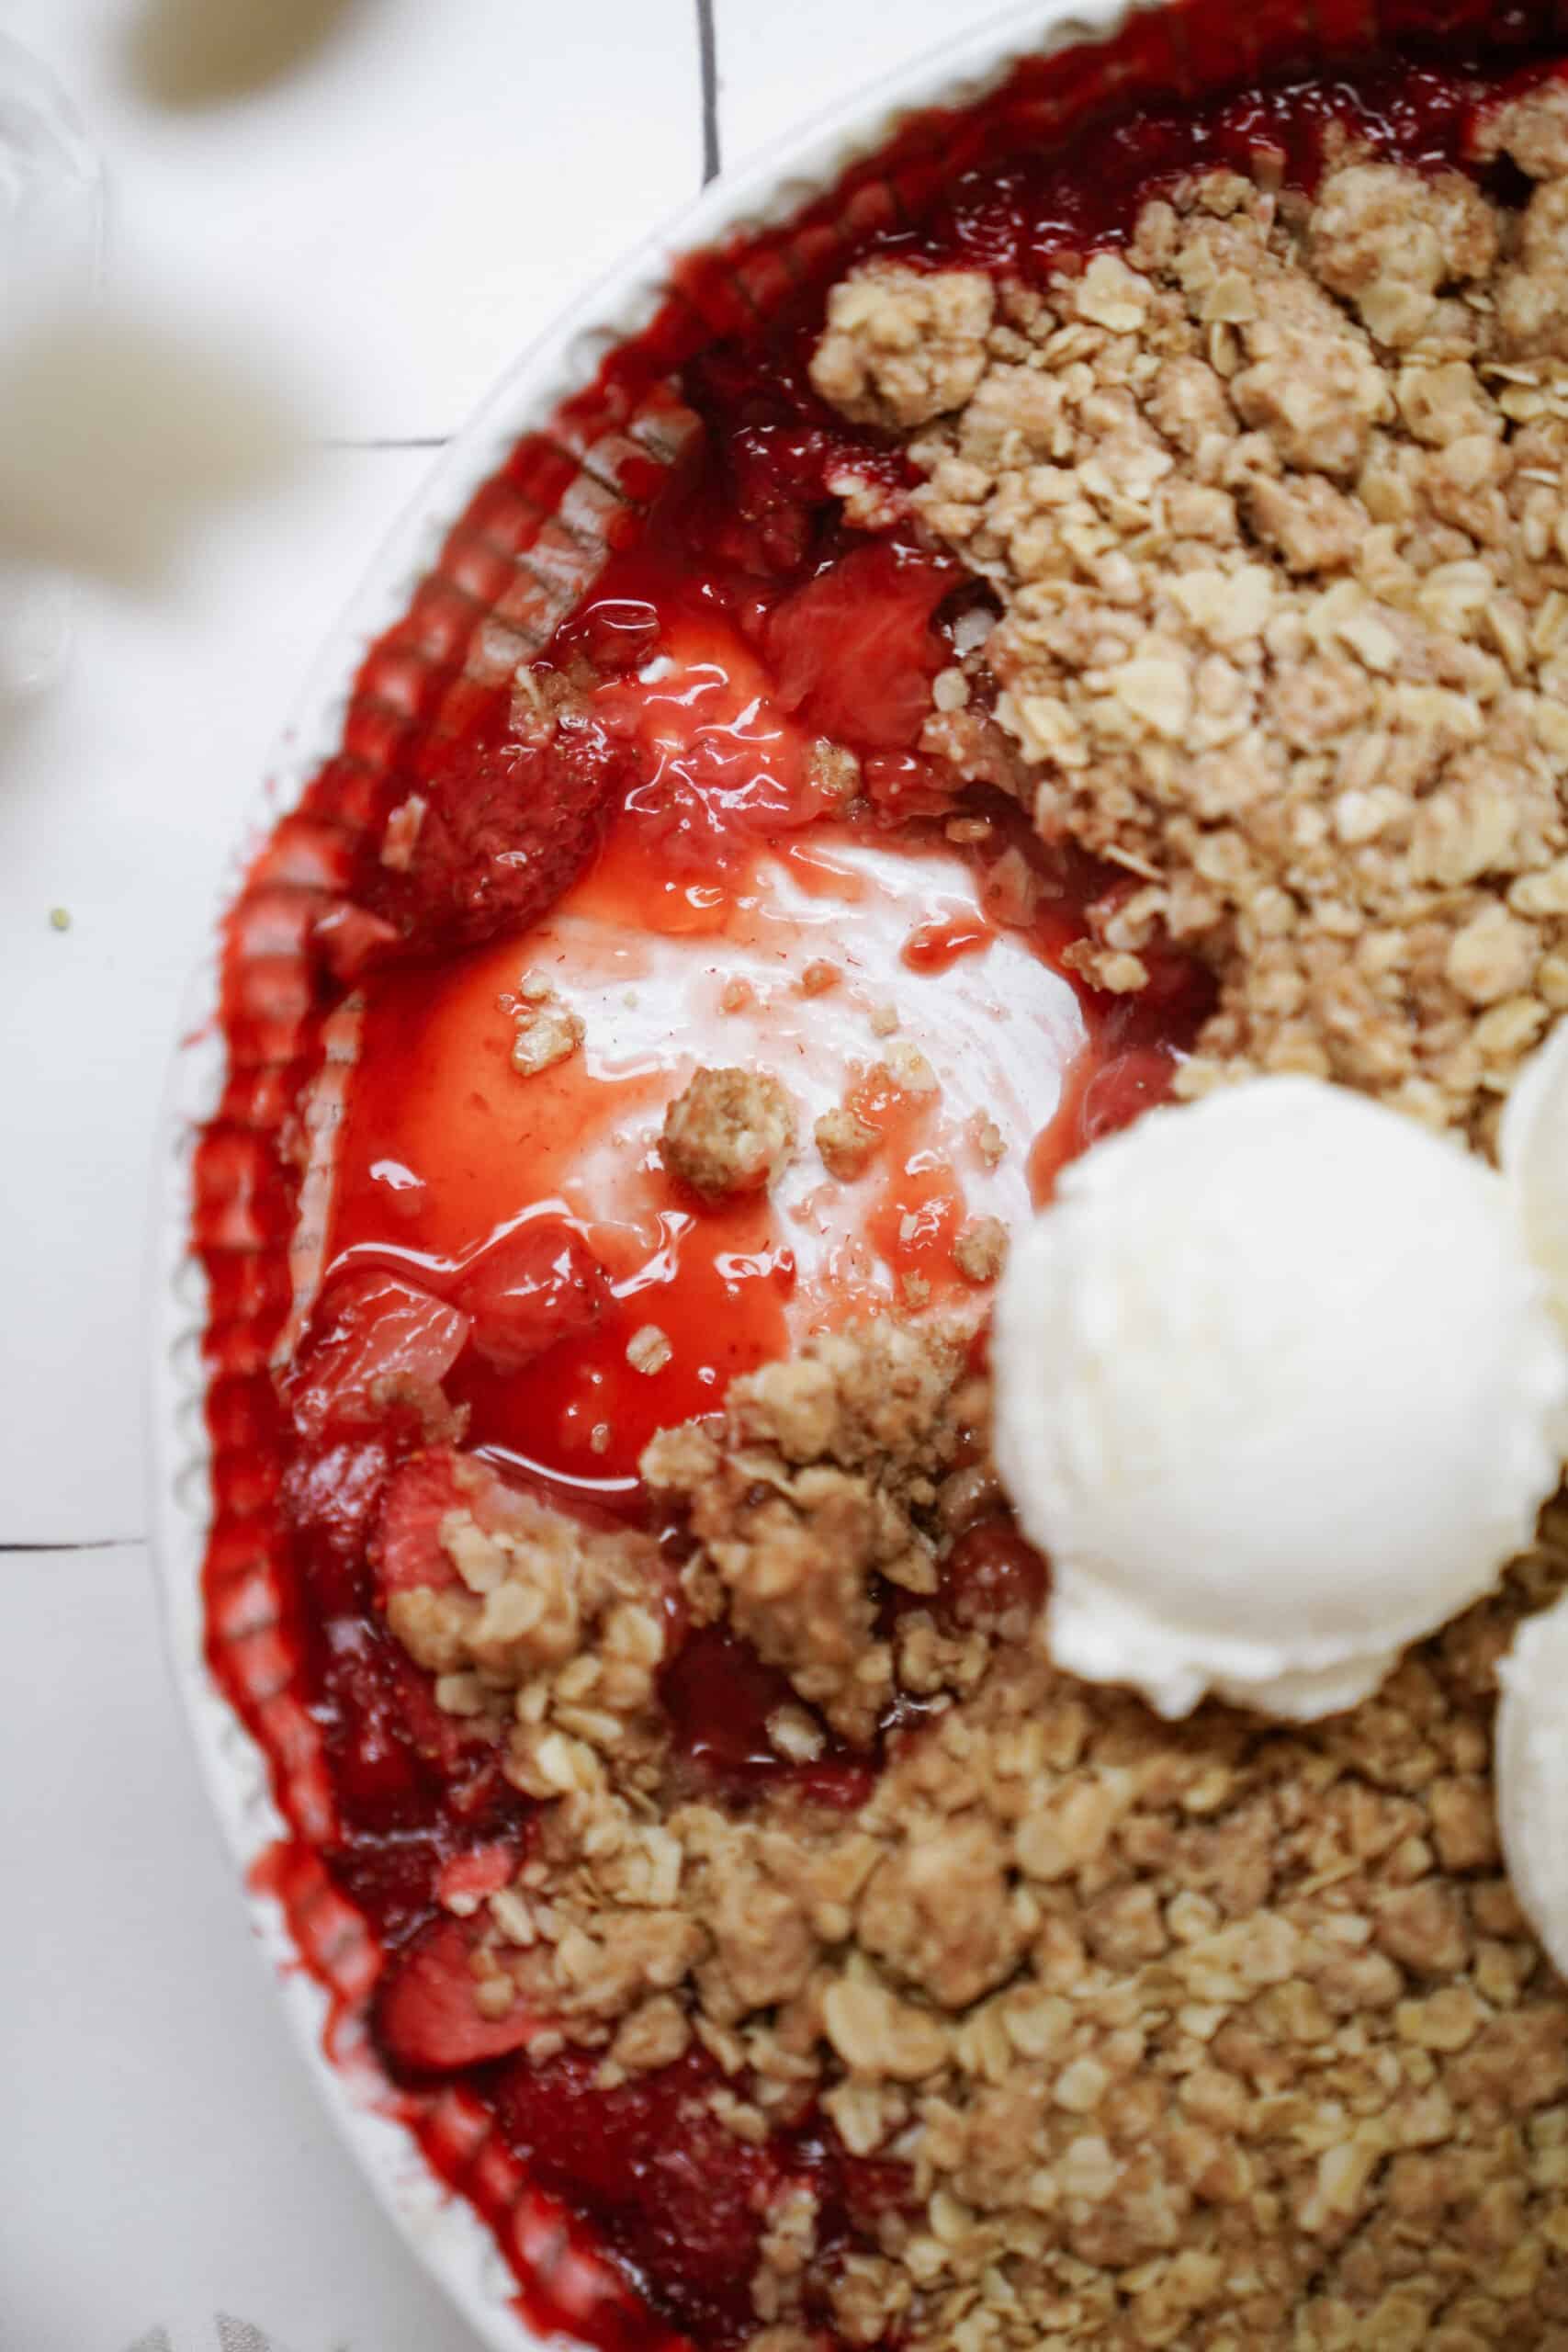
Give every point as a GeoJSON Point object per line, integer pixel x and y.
{"type": "Point", "coordinates": [730, 1131]}
{"type": "Point", "coordinates": [550, 1634]}
{"type": "Point", "coordinates": [1210, 2036]}
{"type": "Point", "coordinates": [1273, 505]}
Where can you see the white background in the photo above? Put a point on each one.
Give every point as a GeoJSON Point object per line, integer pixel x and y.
{"type": "Point", "coordinates": [389, 228]}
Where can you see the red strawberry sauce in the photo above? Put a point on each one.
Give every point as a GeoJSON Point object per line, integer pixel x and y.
{"type": "Point", "coordinates": [498, 1240]}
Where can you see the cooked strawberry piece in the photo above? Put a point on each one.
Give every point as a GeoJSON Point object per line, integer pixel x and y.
{"type": "Point", "coordinates": [1123, 1089]}
{"type": "Point", "coordinates": [507, 826]}
{"type": "Point", "coordinates": [463, 1881]}
{"type": "Point", "coordinates": [778, 483]}
{"type": "Point", "coordinates": [388, 1739]}
{"type": "Point", "coordinates": [537, 1284]}
{"type": "Point", "coordinates": [405, 1550]}
{"type": "Point", "coordinates": [871, 2187]}
{"type": "Point", "coordinates": [378, 1341]}
{"type": "Point", "coordinates": [331, 1497]}
{"type": "Point", "coordinates": [721, 763]}
{"type": "Point", "coordinates": [349, 939]}
{"type": "Point", "coordinates": [425, 2010]}
{"type": "Point", "coordinates": [992, 1578]}
{"type": "Point", "coordinates": [854, 650]}
{"type": "Point", "coordinates": [679, 2197]}
{"type": "Point", "coordinates": [719, 1695]}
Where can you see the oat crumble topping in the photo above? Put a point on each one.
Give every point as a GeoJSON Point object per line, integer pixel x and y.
{"type": "Point", "coordinates": [1205, 2035]}
{"type": "Point", "coordinates": [730, 1131]}
{"type": "Point", "coordinates": [1273, 508]}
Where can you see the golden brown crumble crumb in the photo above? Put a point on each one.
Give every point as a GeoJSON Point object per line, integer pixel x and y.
{"type": "Point", "coordinates": [904, 1066]}
{"type": "Point", "coordinates": [903, 346]}
{"type": "Point", "coordinates": [550, 1629]}
{"type": "Point", "coordinates": [989, 1140]}
{"type": "Point", "coordinates": [730, 1131]}
{"type": "Point", "coordinates": [401, 836]}
{"type": "Point", "coordinates": [649, 1349]}
{"type": "Point", "coordinates": [1273, 507]}
{"type": "Point", "coordinates": [1205, 2035]}
{"type": "Point", "coordinates": [1533, 129]}
{"type": "Point", "coordinates": [835, 769]}
{"type": "Point", "coordinates": [794, 1534]}
{"type": "Point", "coordinates": [980, 1250]}
{"type": "Point", "coordinates": [846, 1143]}
{"type": "Point", "coordinates": [548, 1032]}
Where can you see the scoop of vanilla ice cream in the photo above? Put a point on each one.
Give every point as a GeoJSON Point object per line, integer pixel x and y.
{"type": "Point", "coordinates": [1277, 1391]}
{"type": "Point", "coordinates": [1532, 1767]}
{"type": "Point", "coordinates": [1533, 1148]}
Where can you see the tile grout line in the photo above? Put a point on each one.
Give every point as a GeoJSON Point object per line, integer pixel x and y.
{"type": "Point", "coordinates": [707, 63]}
{"type": "Point", "coordinates": [84, 1544]}
{"type": "Point", "coordinates": [707, 56]}
{"type": "Point", "coordinates": [387, 441]}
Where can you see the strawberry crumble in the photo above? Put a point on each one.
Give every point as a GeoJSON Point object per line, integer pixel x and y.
{"type": "Point", "coordinates": [1096, 629]}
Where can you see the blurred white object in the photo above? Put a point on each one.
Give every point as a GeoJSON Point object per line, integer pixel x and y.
{"type": "Point", "coordinates": [1533, 1148]}
{"type": "Point", "coordinates": [205, 53]}
{"type": "Point", "coordinates": [1531, 1764]}
{"type": "Point", "coordinates": [114, 436]}
{"type": "Point", "coordinates": [1532, 1717]}
{"type": "Point", "coordinates": [52, 189]}
{"type": "Point", "coordinates": [1278, 1391]}
{"type": "Point", "coordinates": [51, 227]}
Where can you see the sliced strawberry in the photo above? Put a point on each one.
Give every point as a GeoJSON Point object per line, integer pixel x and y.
{"type": "Point", "coordinates": [373, 1334]}
{"type": "Point", "coordinates": [405, 1550]}
{"type": "Point", "coordinates": [538, 1283]}
{"type": "Point", "coordinates": [682, 2198]}
{"type": "Point", "coordinates": [331, 1499]}
{"type": "Point", "coordinates": [390, 1742]}
{"type": "Point", "coordinates": [854, 650]}
{"type": "Point", "coordinates": [508, 824]}
{"type": "Point", "coordinates": [425, 2011]}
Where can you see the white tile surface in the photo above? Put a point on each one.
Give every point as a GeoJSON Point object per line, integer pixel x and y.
{"type": "Point", "coordinates": [779, 66]}
{"type": "Point", "coordinates": [122, 800]}
{"type": "Point", "coordinates": [399, 219]}
{"type": "Point", "coordinates": [393, 226]}
{"type": "Point", "coordinates": [163, 2157]}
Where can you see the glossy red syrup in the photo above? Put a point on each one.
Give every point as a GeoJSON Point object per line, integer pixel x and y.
{"type": "Point", "coordinates": [391, 1221]}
